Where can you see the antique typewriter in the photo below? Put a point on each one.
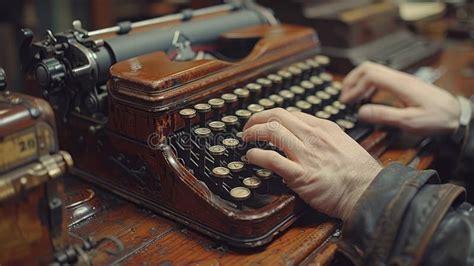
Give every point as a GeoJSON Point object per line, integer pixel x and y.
{"type": "Point", "coordinates": [352, 32]}
{"type": "Point", "coordinates": [165, 131]}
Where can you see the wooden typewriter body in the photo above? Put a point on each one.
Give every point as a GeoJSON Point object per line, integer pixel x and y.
{"type": "Point", "coordinates": [31, 188]}
{"type": "Point", "coordinates": [136, 153]}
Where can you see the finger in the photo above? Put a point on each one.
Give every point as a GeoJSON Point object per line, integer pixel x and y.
{"type": "Point", "coordinates": [311, 120]}
{"type": "Point", "coordinates": [351, 78]}
{"type": "Point", "coordinates": [275, 162]}
{"type": "Point", "coordinates": [385, 115]}
{"type": "Point", "coordinates": [281, 116]}
{"type": "Point", "coordinates": [277, 134]}
{"type": "Point", "coordinates": [364, 84]}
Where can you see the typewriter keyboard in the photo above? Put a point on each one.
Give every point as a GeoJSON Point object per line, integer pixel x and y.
{"type": "Point", "coordinates": [210, 145]}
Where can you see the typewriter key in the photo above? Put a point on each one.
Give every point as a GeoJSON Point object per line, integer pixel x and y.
{"type": "Point", "coordinates": [345, 124]}
{"type": "Point", "coordinates": [313, 65]}
{"type": "Point", "coordinates": [216, 105]}
{"type": "Point", "coordinates": [288, 96]}
{"type": "Point", "coordinates": [296, 73]}
{"type": "Point", "coordinates": [202, 134]}
{"type": "Point", "coordinates": [217, 126]}
{"type": "Point", "coordinates": [252, 182]}
{"type": "Point", "coordinates": [304, 106]}
{"type": "Point", "coordinates": [278, 100]}
{"type": "Point", "coordinates": [339, 105]}
{"type": "Point", "coordinates": [322, 115]}
{"type": "Point", "coordinates": [314, 101]}
{"type": "Point", "coordinates": [187, 115]}
{"type": "Point", "coordinates": [220, 172]}
{"type": "Point", "coordinates": [322, 60]}
{"type": "Point", "coordinates": [230, 143]}
{"type": "Point", "coordinates": [243, 115]}
{"type": "Point", "coordinates": [266, 86]}
{"type": "Point", "coordinates": [308, 87]}
{"type": "Point", "coordinates": [229, 99]}
{"type": "Point", "coordinates": [202, 109]}
{"type": "Point", "coordinates": [333, 111]}
{"type": "Point", "coordinates": [217, 151]}
{"type": "Point", "coordinates": [240, 193]}
{"type": "Point", "coordinates": [254, 89]}
{"type": "Point", "coordinates": [287, 78]}
{"type": "Point", "coordinates": [242, 95]}
{"type": "Point", "coordinates": [326, 77]}
{"type": "Point", "coordinates": [229, 121]}
{"type": "Point", "coordinates": [337, 85]}
{"type": "Point", "coordinates": [293, 109]}
{"type": "Point", "coordinates": [255, 108]}
{"type": "Point", "coordinates": [316, 81]}
{"type": "Point", "coordinates": [277, 82]}
{"type": "Point", "coordinates": [331, 91]}
{"type": "Point", "coordinates": [236, 166]}
{"type": "Point", "coordinates": [323, 96]}
{"type": "Point", "coordinates": [266, 103]}
{"type": "Point", "coordinates": [298, 92]}
{"type": "Point", "coordinates": [264, 174]}
{"type": "Point", "coordinates": [239, 134]}
{"type": "Point", "coordinates": [305, 68]}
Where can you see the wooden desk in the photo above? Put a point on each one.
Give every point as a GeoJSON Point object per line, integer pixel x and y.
{"type": "Point", "coordinates": [151, 239]}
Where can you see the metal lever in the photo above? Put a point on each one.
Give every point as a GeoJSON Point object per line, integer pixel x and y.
{"type": "Point", "coordinates": [183, 47]}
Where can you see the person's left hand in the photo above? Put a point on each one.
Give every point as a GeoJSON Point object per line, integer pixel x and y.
{"type": "Point", "coordinates": [324, 166]}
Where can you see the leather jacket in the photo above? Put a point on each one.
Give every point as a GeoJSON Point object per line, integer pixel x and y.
{"type": "Point", "coordinates": [406, 217]}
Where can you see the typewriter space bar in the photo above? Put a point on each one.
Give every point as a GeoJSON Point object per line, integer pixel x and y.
{"type": "Point", "coordinates": [360, 132]}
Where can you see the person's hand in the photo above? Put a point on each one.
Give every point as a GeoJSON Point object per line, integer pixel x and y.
{"type": "Point", "coordinates": [324, 166]}
{"type": "Point", "coordinates": [428, 110]}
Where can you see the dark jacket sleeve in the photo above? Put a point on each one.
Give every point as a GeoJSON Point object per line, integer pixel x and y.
{"type": "Point", "coordinates": [465, 167]}
{"type": "Point", "coordinates": [406, 217]}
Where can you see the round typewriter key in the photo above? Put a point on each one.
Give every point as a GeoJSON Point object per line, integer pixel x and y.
{"type": "Point", "coordinates": [331, 110]}
{"type": "Point", "coordinates": [221, 172]}
{"type": "Point", "coordinates": [242, 94]}
{"type": "Point", "coordinates": [307, 86]}
{"type": "Point", "coordinates": [266, 86]}
{"type": "Point", "coordinates": [316, 81]}
{"type": "Point", "coordinates": [266, 103]}
{"type": "Point", "coordinates": [216, 150]}
{"type": "Point", "coordinates": [276, 80]}
{"type": "Point", "coordinates": [240, 193]}
{"type": "Point", "coordinates": [304, 106]}
{"type": "Point", "coordinates": [287, 78]}
{"type": "Point", "coordinates": [313, 100]}
{"type": "Point", "coordinates": [264, 174]}
{"type": "Point", "coordinates": [244, 159]}
{"type": "Point", "coordinates": [293, 109]}
{"type": "Point", "coordinates": [217, 126]}
{"type": "Point", "coordinates": [255, 108]}
{"type": "Point", "coordinates": [345, 124]}
{"type": "Point", "coordinates": [229, 97]}
{"type": "Point", "coordinates": [288, 96]}
{"type": "Point", "coordinates": [253, 87]}
{"type": "Point", "coordinates": [216, 103]}
{"type": "Point", "coordinates": [326, 77]}
{"type": "Point", "coordinates": [337, 85]}
{"type": "Point", "coordinates": [239, 134]}
{"type": "Point", "coordinates": [322, 115]}
{"type": "Point", "coordinates": [304, 67]}
{"type": "Point", "coordinates": [323, 95]}
{"type": "Point", "coordinates": [297, 73]}
{"type": "Point", "coordinates": [230, 143]}
{"type": "Point", "coordinates": [236, 167]}
{"type": "Point", "coordinates": [202, 109]}
{"type": "Point", "coordinates": [202, 132]}
{"type": "Point", "coordinates": [278, 100]}
{"type": "Point", "coordinates": [339, 105]}
{"type": "Point", "coordinates": [312, 64]}
{"type": "Point", "coordinates": [187, 113]}
{"type": "Point", "coordinates": [230, 120]}
{"type": "Point", "coordinates": [243, 114]}
{"type": "Point", "coordinates": [331, 91]}
{"type": "Point", "coordinates": [252, 182]}
{"type": "Point", "coordinates": [298, 92]}
{"type": "Point", "coordinates": [322, 60]}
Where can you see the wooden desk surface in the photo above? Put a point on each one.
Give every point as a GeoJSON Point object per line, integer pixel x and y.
{"type": "Point", "coordinates": [152, 239]}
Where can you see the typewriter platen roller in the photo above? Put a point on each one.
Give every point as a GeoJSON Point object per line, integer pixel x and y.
{"type": "Point", "coordinates": [172, 142]}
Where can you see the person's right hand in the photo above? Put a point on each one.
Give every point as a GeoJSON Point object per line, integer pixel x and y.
{"type": "Point", "coordinates": [429, 110]}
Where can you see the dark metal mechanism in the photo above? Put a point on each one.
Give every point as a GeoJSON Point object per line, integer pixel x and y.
{"type": "Point", "coordinates": [72, 67]}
